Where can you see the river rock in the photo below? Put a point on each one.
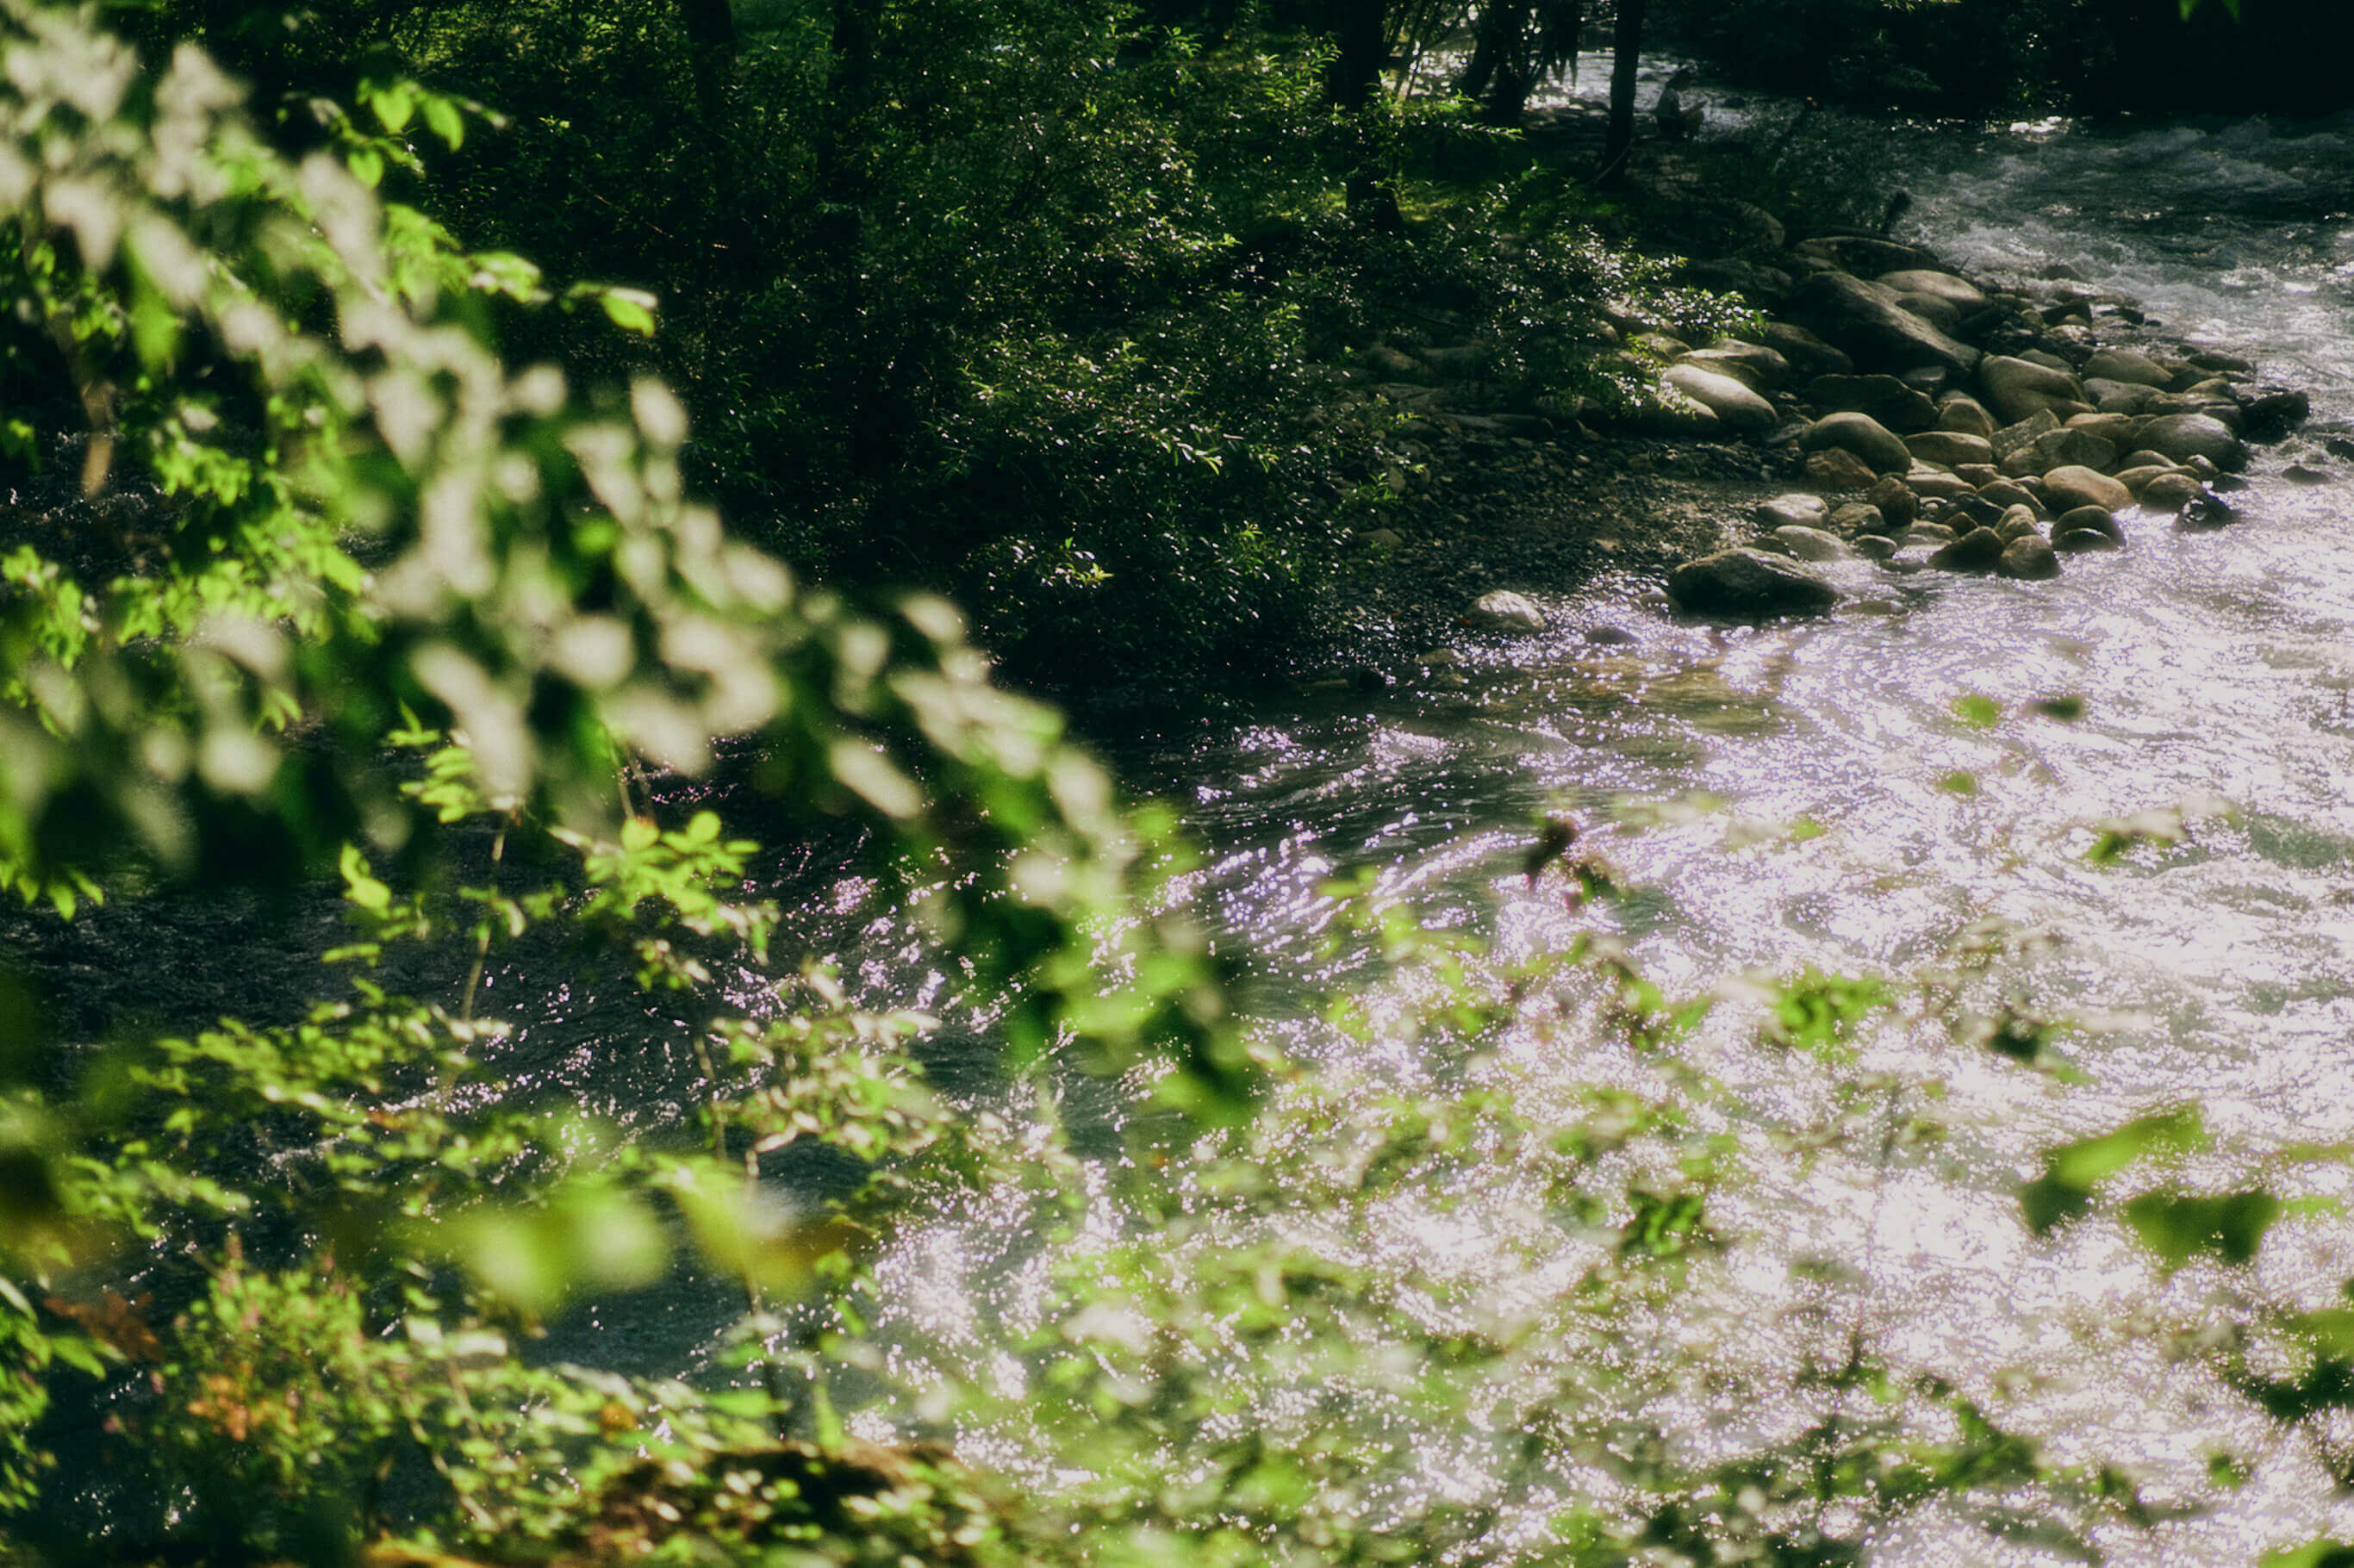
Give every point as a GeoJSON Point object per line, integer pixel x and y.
{"type": "Point", "coordinates": [1941, 314]}
{"type": "Point", "coordinates": [1857, 517]}
{"type": "Point", "coordinates": [1977, 551]}
{"type": "Point", "coordinates": [2170, 492]}
{"type": "Point", "coordinates": [2017, 388]}
{"type": "Point", "coordinates": [1965, 415]}
{"type": "Point", "coordinates": [1504, 610]}
{"type": "Point", "coordinates": [2185, 436]}
{"type": "Point", "coordinates": [1868, 321]}
{"type": "Point", "coordinates": [2011, 438]}
{"type": "Point", "coordinates": [2028, 559]}
{"type": "Point", "coordinates": [2121, 396]}
{"type": "Point", "coordinates": [1724, 396]}
{"type": "Point", "coordinates": [2128, 364]}
{"type": "Point", "coordinates": [1807, 355]}
{"type": "Point", "coordinates": [1861, 436]}
{"type": "Point", "coordinates": [1957, 292]}
{"type": "Point", "coordinates": [2016, 522]}
{"type": "Point", "coordinates": [1798, 510]}
{"type": "Point", "coordinates": [2206, 510]}
{"type": "Point", "coordinates": [1883, 398]}
{"type": "Point", "coordinates": [2069, 487]}
{"type": "Point", "coordinates": [1875, 546]}
{"type": "Point", "coordinates": [1753, 364]}
{"type": "Point", "coordinates": [1895, 500]}
{"type": "Point", "coordinates": [1749, 582]}
{"type": "Point", "coordinates": [1951, 447]}
{"type": "Point", "coordinates": [2081, 541]}
{"type": "Point", "coordinates": [2002, 493]}
{"type": "Point", "coordinates": [1931, 381]}
{"type": "Point", "coordinates": [2273, 412]}
{"type": "Point", "coordinates": [1832, 469]}
{"type": "Point", "coordinates": [1812, 544]}
{"type": "Point", "coordinates": [2059, 449]}
{"type": "Point", "coordinates": [2120, 430]}
{"type": "Point", "coordinates": [1866, 254]}
{"type": "Point", "coordinates": [1928, 482]}
{"type": "Point", "coordinates": [2096, 518]}
{"type": "Point", "coordinates": [1929, 533]}
{"type": "Point", "coordinates": [2142, 457]}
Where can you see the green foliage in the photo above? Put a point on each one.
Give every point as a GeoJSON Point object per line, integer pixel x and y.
{"type": "Point", "coordinates": [2074, 1172]}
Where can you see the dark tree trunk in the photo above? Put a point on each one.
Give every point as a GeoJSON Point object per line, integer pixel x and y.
{"type": "Point", "coordinates": [710, 27]}
{"type": "Point", "coordinates": [1627, 52]}
{"type": "Point", "coordinates": [1360, 33]}
{"type": "Point", "coordinates": [1496, 35]}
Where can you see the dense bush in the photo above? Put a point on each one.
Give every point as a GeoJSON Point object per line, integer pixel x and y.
{"type": "Point", "coordinates": [1013, 302]}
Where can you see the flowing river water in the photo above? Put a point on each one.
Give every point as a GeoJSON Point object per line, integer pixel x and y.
{"type": "Point", "coordinates": [2215, 675]}
{"type": "Point", "coordinates": [1807, 795]}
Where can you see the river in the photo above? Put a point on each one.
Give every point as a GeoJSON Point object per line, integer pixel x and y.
{"type": "Point", "coordinates": [2206, 678]}
{"type": "Point", "coordinates": [1925, 770]}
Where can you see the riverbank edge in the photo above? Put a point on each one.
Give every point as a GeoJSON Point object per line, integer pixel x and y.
{"type": "Point", "coordinates": [1488, 501]}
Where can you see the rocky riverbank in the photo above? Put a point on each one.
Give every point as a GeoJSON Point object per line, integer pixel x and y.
{"type": "Point", "coordinates": [1891, 410]}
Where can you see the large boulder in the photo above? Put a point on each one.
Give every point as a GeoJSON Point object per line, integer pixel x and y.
{"type": "Point", "coordinates": [1807, 355]}
{"type": "Point", "coordinates": [1753, 364]}
{"type": "Point", "coordinates": [1939, 312]}
{"type": "Point", "coordinates": [1950, 448]}
{"type": "Point", "coordinates": [1866, 254]}
{"type": "Point", "coordinates": [2017, 388]}
{"type": "Point", "coordinates": [1870, 324]}
{"type": "Point", "coordinates": [1957, 292]}
{"type": "Point", "coordinates": [1749, 583]}
{"type": "Point", "coordinates": [1731, 400]}
{"type": "Point", "coordinates": [2182, 437]}
{"type": "Point", "coordinates": [1884, 398]}
{"type": "Point", "coordinates": [2069, 487]}
{"type": "Point", "coordinates": [1861, 436]}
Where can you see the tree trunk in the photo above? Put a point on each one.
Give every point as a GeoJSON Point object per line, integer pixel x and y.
{"type": "Point", "coordinates": [710, 27]}
{"type": "Point", "coordinates": [1626, 49]}
{"type": "Point", "coordinates": [1360, 36]}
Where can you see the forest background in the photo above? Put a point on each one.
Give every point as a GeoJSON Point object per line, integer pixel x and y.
{"type": "Point", "coordinates": [446, 438]}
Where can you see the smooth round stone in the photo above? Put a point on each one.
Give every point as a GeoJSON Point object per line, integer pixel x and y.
{"type": "Point", "coordinates": [2029, 559]}
{"type": "Point", "coordinates": [2170, 492]}
{"type": "Point", "coordinates": [1979, 550]}
{"type": "Point", "coordinates": [1859, 435]}
{"type": "Point", "coordinates": [1804, 511]}
{"type": "Point", "coordinates": [1857, 517]}
{"type": "Point", "coordinates": [1812, 544]}
{"type": "Point", "coordinates": [1749, 582]}
{"type": "Point", "coordinates": [1504, 610]}
{"type": "Point", "coordinates": [2072, 486]}
{"type": "Point", "coordinates": [1875, 546]}
{"type": "Point", "coordinates": [2016, 522]}
{"type": "Point", "coordinates": [2097, 518]}
{"type": "Point", "coordinates": [2083, 541]}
